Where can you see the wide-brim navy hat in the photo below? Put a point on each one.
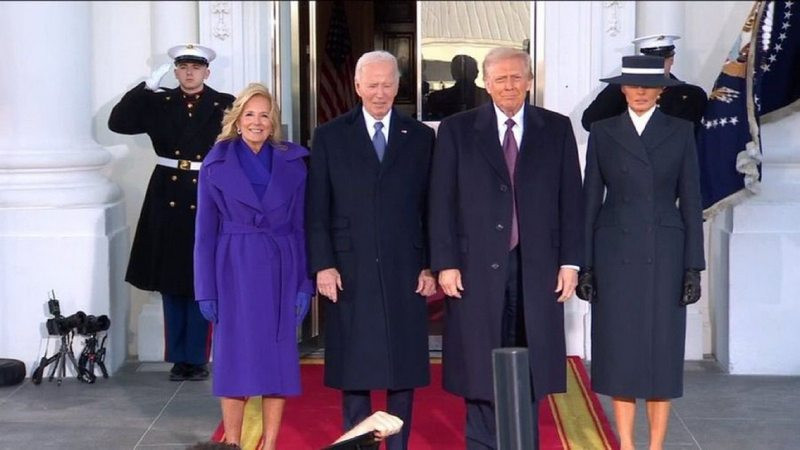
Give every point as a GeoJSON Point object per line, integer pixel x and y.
{"type": "Point", "coordinates": [643, 70]}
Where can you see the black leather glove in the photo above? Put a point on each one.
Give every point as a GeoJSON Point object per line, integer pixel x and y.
{"type": "Point", "coordinates": [586, 289]}
{"type": "Point", "coordinates": [691, 287]}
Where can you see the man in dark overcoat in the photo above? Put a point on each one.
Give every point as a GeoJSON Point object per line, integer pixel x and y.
{"type": "Point", "coordinates": [683, 100]}
{"type": "Point", "coordinates": [183, 124]}
{"type": "Point", "coordinates": [505, 215]}
{"type": "Point", "coordinates": [365, 223]}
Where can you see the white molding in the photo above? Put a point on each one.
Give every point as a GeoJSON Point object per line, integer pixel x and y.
{"type": "Point", "coordinates": [221, 20]}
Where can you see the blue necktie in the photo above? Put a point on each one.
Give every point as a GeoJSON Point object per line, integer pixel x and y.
{"type": "Point", "coordinates": [378, 141]}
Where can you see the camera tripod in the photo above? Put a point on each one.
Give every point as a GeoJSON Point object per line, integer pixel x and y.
{"type": "Point", "coordinates": [90, 356]}
{"type": "Point", "coordinates": [59, 361]}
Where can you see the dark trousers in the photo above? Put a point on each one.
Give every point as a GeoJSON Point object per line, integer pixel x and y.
{"type": "Point", "coordinates": [357, 406]}
{"type": "Point", "coordinates": [187, 334]}
{"type": "Point", "coordinates": [480, 426]}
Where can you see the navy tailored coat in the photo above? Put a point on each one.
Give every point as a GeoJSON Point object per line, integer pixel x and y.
{"type": "Point", "coordinates": [470, 217]}
{"type": "Point", "coordinates": [249, 255]}
{"type": "Point", "coordinates": [640, 240]}
{"type": "Point", "coordinates": [161, 255]}
{"type": "Point", "coordinates": [366, 218]}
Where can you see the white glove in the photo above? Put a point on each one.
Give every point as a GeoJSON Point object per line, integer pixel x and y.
{"type": "Point", "coordinates": [155, 78]}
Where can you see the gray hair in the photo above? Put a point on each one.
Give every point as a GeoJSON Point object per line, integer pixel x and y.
{"type": "Point", "coordinates": [376, 56]}
{"type": "Point", "coordinates": [498, 54]}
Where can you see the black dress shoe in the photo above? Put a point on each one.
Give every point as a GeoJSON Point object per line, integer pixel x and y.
{"type": "Point", "coordinates": [179, 372]}
{"type": "Point", "coordinates": [197, 372]}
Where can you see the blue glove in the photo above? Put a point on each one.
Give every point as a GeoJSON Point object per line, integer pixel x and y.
{"type": "Point", "coordinates": [301, 306]}
{"type": "Point", "coordinates": [208, 308]}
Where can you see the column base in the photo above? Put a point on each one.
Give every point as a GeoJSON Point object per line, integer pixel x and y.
{"type": "Point", "coordinates": [81, 254]}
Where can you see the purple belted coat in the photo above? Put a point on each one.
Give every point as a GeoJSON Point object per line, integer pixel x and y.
{"type": "Point", "coordinates": [250, 255]}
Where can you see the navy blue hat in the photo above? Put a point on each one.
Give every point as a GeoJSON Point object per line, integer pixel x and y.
{"type": "Point", "coordinates": [643, 70]}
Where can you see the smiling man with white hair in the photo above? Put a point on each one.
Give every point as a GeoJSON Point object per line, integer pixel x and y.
{"type": "Point", "coordinates": [367, 246]}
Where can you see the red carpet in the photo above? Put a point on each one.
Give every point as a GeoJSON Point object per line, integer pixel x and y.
{"type": "Point", "coordinates": [574, 420]}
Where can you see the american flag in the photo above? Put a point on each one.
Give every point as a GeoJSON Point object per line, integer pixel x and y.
{"type": "Point", "coordinates": [761, 74]}
{"type": "Point", "coordinates": [336, 90]}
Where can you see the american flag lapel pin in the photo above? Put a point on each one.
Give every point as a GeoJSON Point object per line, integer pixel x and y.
{"type": "Point", "coordinates": [404, 131]}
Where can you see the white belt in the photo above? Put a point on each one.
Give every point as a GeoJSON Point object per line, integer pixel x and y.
{"type": "Point", "coordinates": [182, 164]}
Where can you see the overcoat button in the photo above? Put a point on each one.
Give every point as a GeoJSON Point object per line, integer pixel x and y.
{"type": "Point", "coordinates": [503, 188]}
{"type": "Point", "coordinates": [177, 152]}
{"type": "Point", "coordinates": [495, 266]}
{"type": "Point", "coordinates": [192, 207]}
{"type": "Point", "coordinates": [194, 180]}
{"type": "Point", "coordinates": [174, 178]}
{"type": "Point", "coordinates": [171, 204]}
{"type": "Point", "coordinates": [199, 157]}
{"type": "Point", "coordinates": [649, 260]}
{"type": "Point", "coordinates": [624, 260]}
{"type": "Point", "coordinates": [499, 227]}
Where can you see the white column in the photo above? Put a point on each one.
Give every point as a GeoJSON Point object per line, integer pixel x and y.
{"type": "Point", "coordinates": [62, 223]}
{"type": "Point", "coordinates": [171, 23]}
{"type": "Point", "coordinates": [659, 17]}
{"type": "Point", "coordinates": [764, 259]}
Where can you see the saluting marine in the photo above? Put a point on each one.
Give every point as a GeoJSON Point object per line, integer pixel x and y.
{"type": "Point", "coordinates": [685, 101]}
{"type": "Point", "coordinates": [182, 124]}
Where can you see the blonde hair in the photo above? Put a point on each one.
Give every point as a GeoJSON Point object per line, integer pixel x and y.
{"type": "Point", "coordinates": [502, 53]}
{"type": "Point", "coordinates": [234, 113]}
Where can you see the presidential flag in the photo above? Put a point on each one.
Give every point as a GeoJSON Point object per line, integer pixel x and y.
{"type": "Point", "coordinates": [336, 90]}
{"type": "Point", "coordinates": [761, 74]}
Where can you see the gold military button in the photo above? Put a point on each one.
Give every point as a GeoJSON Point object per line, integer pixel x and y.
{"type": "Point", "coordinates": [171, 204]}
{"type": "Point", "coordinates": [177, 152]}
{"type": "Point", "coordinates": [190, 114]}
{"type": "Point", "coordinates": [167, 98]}
{"type": "Point", "coordinates": [192, 207]}
{"type": "Point", "coordinates": [196, 96]}
{"type": "Point", "coordinates": [199, 157]}
{"type": "Point", "coordinates": [194, 180]}
{"type": "Point", "coordinates": [174, 177]}
{"type": "Point", "coordinates": [189, 105]}
{"type": "Point", "coordinates": [216, 103]}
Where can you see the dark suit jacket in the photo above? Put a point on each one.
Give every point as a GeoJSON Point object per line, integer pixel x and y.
{"type": "Point", "coordinates": [367, 219]}
{"type": "Point", "coordinates": [640, 244]}
{"type": "Point", "coordinates": [470, 211]}
{"type": "Point", "coordinates": [161, 256]}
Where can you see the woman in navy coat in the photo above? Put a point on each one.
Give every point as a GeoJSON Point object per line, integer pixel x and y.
{"type": "Point", "coordinates": [250, 276]}
{"type": "Point", "coordinates": [644, 249]}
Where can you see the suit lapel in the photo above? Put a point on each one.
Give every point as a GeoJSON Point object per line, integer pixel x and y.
{"type": "Point", "coordinates": [360, 142]}
{"type": "Point", "coordinates": [488, 142]}
{"type": "Point", "coordinates": [232, 180]}
{"type": "Point", "coordinates": [624, 132]}
{"type": "Point", "coordinates": [398, 133]}
{"type": "Point", "coordinates": [532, 138]}
{"type": "Point", "coordinates": [658, 128]}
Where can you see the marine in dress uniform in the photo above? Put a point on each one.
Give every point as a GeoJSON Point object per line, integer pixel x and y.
{"type": "Point", "coordinates": [684, 101]}
{"type": "Point", "coordinates": [182, 124]}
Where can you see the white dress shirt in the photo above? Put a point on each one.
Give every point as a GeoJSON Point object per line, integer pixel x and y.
{"type": "Point", "coordinates": [370, 121]}
{"type": "Point", "coordinates": [517, 130]}
{"type": "Point", "coordinates": [639, 122]}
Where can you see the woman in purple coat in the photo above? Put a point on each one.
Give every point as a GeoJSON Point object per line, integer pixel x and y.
{"type": "Point", "coordinates": [250, 267]}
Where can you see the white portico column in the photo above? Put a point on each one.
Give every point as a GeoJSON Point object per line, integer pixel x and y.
{"type": "Point", "coordinates": [62, 224]}
{"type": "Point", "coordinates": [171, 23]}
{"type": "Point", "coordinates": [655, 17]}
{"type": "Point", "coordinates": [659, 17]}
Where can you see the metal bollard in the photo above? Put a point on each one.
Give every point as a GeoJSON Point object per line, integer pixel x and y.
{"type": "Point", "coordinates": [512, 399]}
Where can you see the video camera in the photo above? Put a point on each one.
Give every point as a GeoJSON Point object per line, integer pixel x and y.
{"type": "Point", "coordinates": [83, 324]}
{"type": "Point", "coordinates": [66, 327]}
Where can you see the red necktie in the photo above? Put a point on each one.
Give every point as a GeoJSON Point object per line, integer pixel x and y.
{"type": "Point", "coordinates": [511, 151]}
